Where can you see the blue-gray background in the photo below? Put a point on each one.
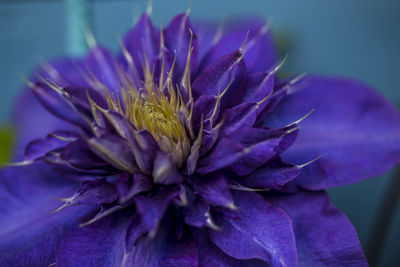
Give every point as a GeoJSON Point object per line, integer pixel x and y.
{"type": "Point", "coordinates": [356, 38]}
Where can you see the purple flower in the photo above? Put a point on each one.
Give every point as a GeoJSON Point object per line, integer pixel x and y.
{"type": "Point", "coordinates": [187, 149]}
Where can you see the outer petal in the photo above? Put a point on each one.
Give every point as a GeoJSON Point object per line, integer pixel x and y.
{"type": "Point", "coordinates": [324, 235]}
{"type": "Point", "coordinates": [211, 255]}
{"type": "Point", "coordinates": [36, 125]}
{"type": "Point", "coordinates": [29, 234]}
{"type": "Point", "coordinates": [354, 129]}
{"type": "Point", "coordinates": [261, 231]}
{"type": "Point", "coordinates": [99, 244]}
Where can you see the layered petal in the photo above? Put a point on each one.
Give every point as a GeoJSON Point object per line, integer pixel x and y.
{"type": "Point", "coordinates": [324, 235]}
{"type": "Point", "coordinates": [354, 129]}
{"type": "Point", "coordinates": [141, 43]}
{"type": "Point", "coordinates": [178, 36]}
{"type": "Point", "coordinates": [226, 74]}
{"type": "Point", "coordinates": [261, 52]}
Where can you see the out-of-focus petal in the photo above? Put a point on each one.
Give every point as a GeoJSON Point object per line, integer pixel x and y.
{"type": "Point", "coordinates": [29, 233]}
{"type": "Point", "coordinates": [324, 235]}
{"type": "Point", "coordinates": [354, 130]}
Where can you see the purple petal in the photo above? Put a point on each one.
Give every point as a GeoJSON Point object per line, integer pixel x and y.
{"type": "Point", "coordinates": [65, 72]}
{"type": "Point", "coordinates": [152, 209]}
{"type": "Point", "coordinates": [140, 42]}
{"type": "Point", "coordinates": [99, 244]}
{"type": "Point", "coordinates": [58, 106]}
{"type": "Point", "coordinates": [196, 214]}
{"type": "Point", "coordinates": [354, 129]}
{"type": "Point", "coordinates": [213, 190]}
{"type": "Point", "coordinates": [241, 115]}
{"type": "Point", "coordinates": [36, 125]}
{"type": "Point", "coordinates": [177, 38]}
{"type": "Point", "coordinates": [324, 235]}
{"type": "Point", "coordinates": [274, 175]}
{"type": "Point", "coordinates": [261, 53]}
{"type": "Point", "coordinates": [165, 249]}
{"type": "Point", "coordinates": [246, 150]}
{"type": "Point", "coordinates": [29, 234]}
{"type": "Point", "coordinates": [78, 155]}
{"type": "Point", "coordinates": [141, 143]}
{"type": "Point", "coordinates": [204, 107]}
{"type": "Point", "coordinates": [101, 64]}
{"type": "Point", "coordinates": [259, 86]}
{"type": "Point", "coordinates": [164, 171]}
{"type": "Point", "coordinates": [228, 71]}
{"type": "Point", "coordinates": [128, 187]}
{"type": "Point", "coordinates": [39, 147]}
{"type": "Point", "coordinates": [114, 150]}
{"type": "Point", "coordinates": [93, 193]}
{"type": "Point", "coordinates": [261, 231]}
{"type": "Point", "coordinates": [211, 255]}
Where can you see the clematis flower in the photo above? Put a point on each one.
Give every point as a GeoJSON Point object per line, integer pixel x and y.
{"type": "Point", "coordinates": [187, 149]}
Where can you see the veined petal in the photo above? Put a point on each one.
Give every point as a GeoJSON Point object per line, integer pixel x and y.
{"type": "Point", "coordinates": [211, 255]}
{"type": "Point", "coordinates": [354, 130]}
{"type": "Point", "coordinates": [261, 231]}
{"type": "Point", "coordinates": [101, 243]}
{"type": "Point", "coordinates": [324, 235]}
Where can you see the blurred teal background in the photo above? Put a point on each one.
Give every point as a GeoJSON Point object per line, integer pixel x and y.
{"type": "Point", "coordinates": [358, 38]}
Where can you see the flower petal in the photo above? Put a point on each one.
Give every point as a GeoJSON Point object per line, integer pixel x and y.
{"type": "Point", "coordinates": [101, 243]}
{"type": "Point", "coordinates": [177, 38]}
{"type": "Point", "coordinates": [100, 66]}
{"type": "Point", "coordinates": [324, 235]}
{"type": "Point", "coordinates": [55, 104]}
{"type": "Point", "coordinates": [152, 209]}
{"type": "Point", "coordinates": [260, 231]}
{"type": "Point", "coordinates": [140, 42]}
{"type": "Point", "coordinates": [354, 129]}
{"type": "Point", "coordinates": [115, 150]}
{"type": "Point", "coordinates": [36, 125]}
{"type": "Point", "coordinates": [247, 149]}
{"type": "Point", "coordinates": [214, 190]}
{"type": "Point", "coordinates": [39, 147]}
{"type": "Point", "coordinates": [274, 175]}
{"type": "Point", "coordinates": [211, 255]}
{"type": "Point", "coordinates": [261, 53]}
{"type": "Point", "coordinates": [29, 234]}
{"type": "Point", "coordinates": [227, 72]}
